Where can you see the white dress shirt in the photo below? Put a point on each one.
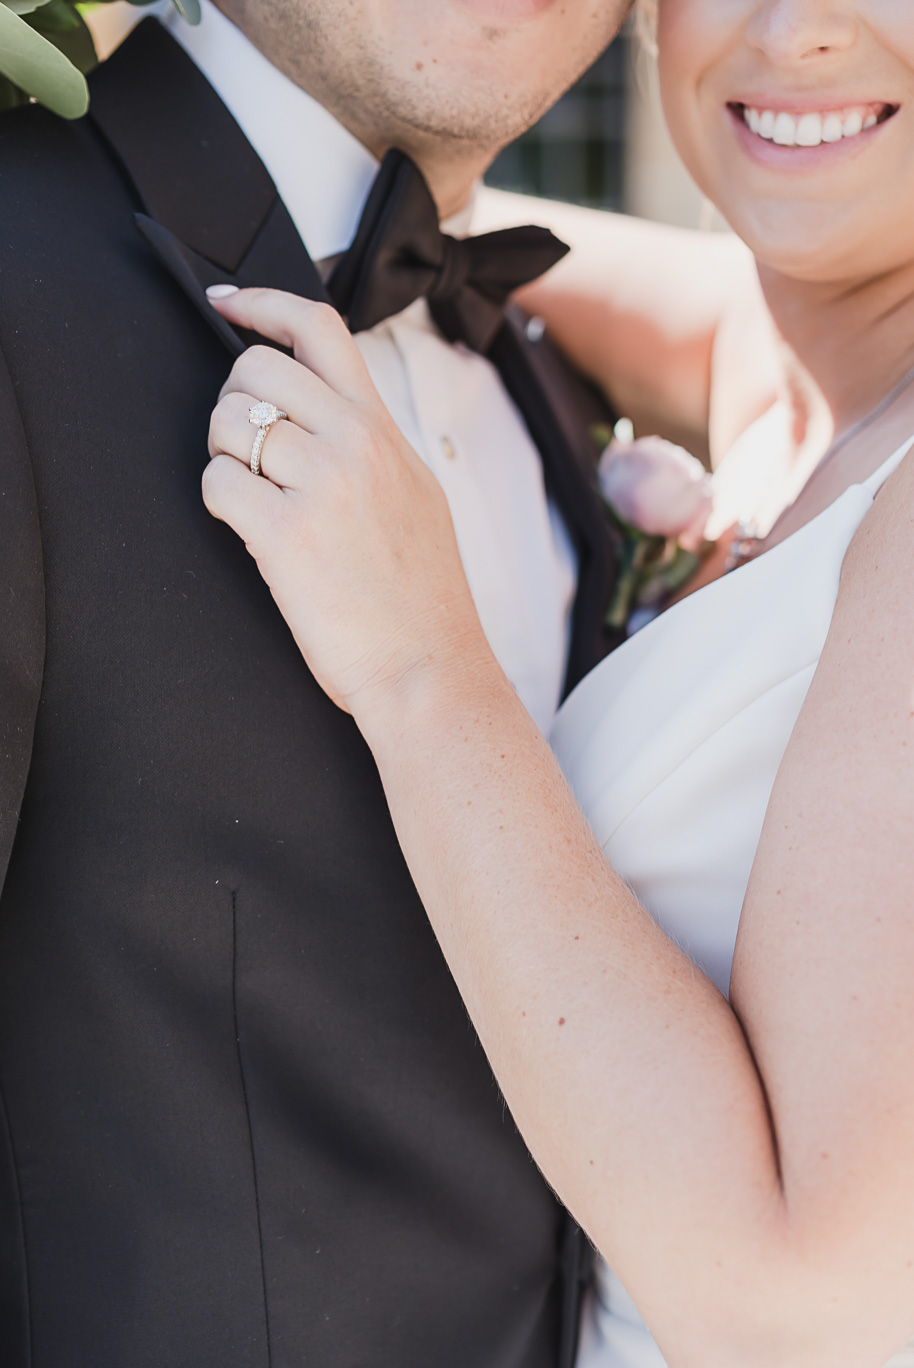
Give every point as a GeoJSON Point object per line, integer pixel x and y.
{"type": "Point", "coordinates": [449, 402]}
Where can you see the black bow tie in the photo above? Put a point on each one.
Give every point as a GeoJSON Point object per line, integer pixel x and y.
{"type": "Point", "coordinates": [399, 253]}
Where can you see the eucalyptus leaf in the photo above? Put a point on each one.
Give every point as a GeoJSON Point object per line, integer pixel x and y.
{"type": "Point", "coordinates": [23, 6]}
{"type": "Point", "coordinates": [56, 16]}
{"type": "Point", "coordinates": [10, 96]}
{"type": "Point", "coordinates": [65, 27]}
{"type": "Point", "coordinates": [37, 67]}
{"type": "Point", "coordinates": [189, 10]}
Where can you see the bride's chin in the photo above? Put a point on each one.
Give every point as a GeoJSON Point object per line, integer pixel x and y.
{"type": "Point", "coordinates": [821, 245]}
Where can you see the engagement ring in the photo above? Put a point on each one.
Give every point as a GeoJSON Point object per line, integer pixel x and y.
{"type": "Point", "coordinates": [262, 416]}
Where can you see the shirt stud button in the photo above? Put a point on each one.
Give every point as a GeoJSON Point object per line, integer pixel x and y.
{"type": "Point", "coordinates": [535, 329]}
{"type": "Point", "coordinates": [447, 446]}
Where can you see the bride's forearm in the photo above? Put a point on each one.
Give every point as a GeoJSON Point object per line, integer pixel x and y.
{"type": "Point", "coordinates": [627, 1072]}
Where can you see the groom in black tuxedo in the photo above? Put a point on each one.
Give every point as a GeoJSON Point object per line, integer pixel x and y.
{"type": "Point", "coordinates": [244, 1122]}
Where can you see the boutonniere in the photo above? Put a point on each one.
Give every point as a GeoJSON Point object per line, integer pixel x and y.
{"type": "Point", "coordinates": [46, 49]}
{"type": "Point", "coordinates": [658, 498]}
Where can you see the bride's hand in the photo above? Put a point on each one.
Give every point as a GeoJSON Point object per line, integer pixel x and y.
{"type": "Point", "coordinates": [350, 530]}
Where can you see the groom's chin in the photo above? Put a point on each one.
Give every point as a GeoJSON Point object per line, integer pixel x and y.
{"type": "Point", "coordinates": [505, 11]}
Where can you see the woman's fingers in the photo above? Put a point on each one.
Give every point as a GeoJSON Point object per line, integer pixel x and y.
{"type": "Point", "coordinates": [225, 426]}
{"type": "Point", "coordinates": [284, 450]}
{"type": "Point", "coordinates": [268, 374]}
{"type": "Point", "coordinates": [349, 528]}
{"type": "Point", "coordinates": [235, 496]}
{"type": "Point", "coordinates": [317, 335]}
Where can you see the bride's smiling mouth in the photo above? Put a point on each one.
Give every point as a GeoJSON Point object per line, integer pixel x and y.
{"type": "Point", "coordinates": [781, 131]}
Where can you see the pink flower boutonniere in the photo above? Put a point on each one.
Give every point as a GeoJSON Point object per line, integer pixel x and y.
{"type": "Point", "coordinates": [658, 497]}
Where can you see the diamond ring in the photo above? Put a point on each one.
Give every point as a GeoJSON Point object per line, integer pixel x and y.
{"type": "Point", "coordinates": [262, 416]}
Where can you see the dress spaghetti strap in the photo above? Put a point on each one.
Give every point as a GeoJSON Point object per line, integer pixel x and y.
{"type": "Point", "coordinates": [879, 477]}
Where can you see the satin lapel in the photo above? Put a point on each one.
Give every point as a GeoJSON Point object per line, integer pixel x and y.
{"type": "Point", "coordinates": [191, 166]}
{"type": "Point", "coordinates": [277, 260]}
{"type": "Point", "coordinates": [22, 616]}
{"type": "Point", "coordinates": [192, 272]}
{"type": "Point", "coordinates": [561, 410]}
{"type": "Point", "coordinates": [211, 213]}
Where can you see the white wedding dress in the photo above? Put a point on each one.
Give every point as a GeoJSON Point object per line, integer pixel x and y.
{"type": "Point", "coordinates": [672, 745]}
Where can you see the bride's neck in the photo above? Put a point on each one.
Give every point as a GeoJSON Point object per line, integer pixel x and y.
{"type": "Point", "coordinates": [854, 340]}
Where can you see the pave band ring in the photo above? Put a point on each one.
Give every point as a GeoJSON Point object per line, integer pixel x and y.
{"type": "Point", "coordinates": [262, 416]}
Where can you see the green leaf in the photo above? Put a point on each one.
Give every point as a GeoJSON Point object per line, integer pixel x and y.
{"type": "Point", "coordinates": [35, 65]}
{"type": "Point", "coordinates": [10, 96]}
{"type": "Point", "coordinates": [55, 16]}
{"type": "Point", "coordinates": [602, 435]}
{"type": "Point", "coordinates": [65, 27]}
{"type": "Point", "coordinates": [189, 10]}
{"type": "Point", "coordinates": [23, 6]}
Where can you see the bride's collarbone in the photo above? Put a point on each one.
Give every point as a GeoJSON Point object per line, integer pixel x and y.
{"type": "Point", "coordinates": [852, 465]}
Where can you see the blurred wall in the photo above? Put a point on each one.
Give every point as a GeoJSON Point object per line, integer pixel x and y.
{"type": "Point", "coordinates": [111, 23]}
{"type": "Point", "coordinates": [605, 144]}
{"type": "Point", "coordinates": [657, 185]}
{"type": "Point", "coordinates": [577, 151]}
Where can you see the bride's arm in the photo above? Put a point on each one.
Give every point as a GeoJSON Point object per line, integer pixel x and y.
{"type": "Point", "coordinates": [670, 323]}
{"type": "Point", "coordinates": [749, 1171]}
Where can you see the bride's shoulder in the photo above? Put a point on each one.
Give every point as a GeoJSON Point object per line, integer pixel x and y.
{"type": "Point", "coordinates": [880, 558]}
{"type": "Point", "coordinates": [868, 653]}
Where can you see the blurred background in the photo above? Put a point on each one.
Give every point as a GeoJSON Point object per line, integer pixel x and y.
{"type": "Point", "coordinates": [605, 145]}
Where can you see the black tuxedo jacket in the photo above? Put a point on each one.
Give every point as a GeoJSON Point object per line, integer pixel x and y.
{"type": "Point", "coordinates": [244, 1121]}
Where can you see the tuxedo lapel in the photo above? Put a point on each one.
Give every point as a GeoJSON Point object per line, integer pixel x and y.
{"type": "Point", "coordinates": [193, 273]}
{"type": "Point", "coordinates": [189, 163]}
{"type": "Point", "coordinates": [212, 214]}
{"type": "Point", "coordinates": [561, 411]}
{"type": "Point", "coordinates": [22, 617]}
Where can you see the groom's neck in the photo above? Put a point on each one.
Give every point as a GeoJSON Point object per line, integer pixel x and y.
{"type": "Point", "coordinates": [451, 166]}
{"type": "Point", "coordinates": [451, 172]}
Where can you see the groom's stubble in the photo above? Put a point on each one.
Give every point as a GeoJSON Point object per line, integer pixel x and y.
{"type": "Point", "coordinates": [430, 76]}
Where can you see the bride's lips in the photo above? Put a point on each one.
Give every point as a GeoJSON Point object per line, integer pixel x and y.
{"type": "Point", "coordinates": [846, 129]}
{"type": "Point", "coordinates": [504, 11]}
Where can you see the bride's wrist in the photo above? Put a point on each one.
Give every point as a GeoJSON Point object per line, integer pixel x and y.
{"type": "Point", "coordinates": [419, 693]}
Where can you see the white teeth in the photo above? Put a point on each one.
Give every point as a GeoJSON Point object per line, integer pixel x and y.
{"type": "Point", "coordinates": [766, 124]}
{"type": "Point", "coordinates": [808, 130]}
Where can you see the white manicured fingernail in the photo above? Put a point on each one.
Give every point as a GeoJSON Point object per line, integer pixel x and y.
{"type": "Point", "coordinates": [221, 291]}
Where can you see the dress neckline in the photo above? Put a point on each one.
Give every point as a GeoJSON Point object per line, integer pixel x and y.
{"type": "Point", "coordinates": [724, 585]}
{"type": "Point", "coordinates": [872, 484]}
